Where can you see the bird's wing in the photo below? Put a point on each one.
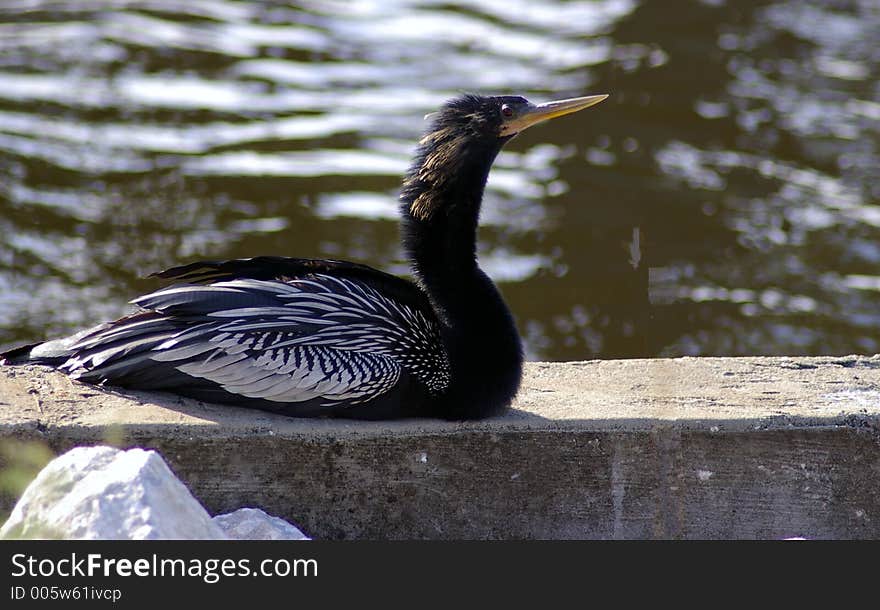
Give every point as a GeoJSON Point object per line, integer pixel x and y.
{"type": "Point", "coordinates": [317, 336]}
{"type": "Point", "coordinates": [281, 268]}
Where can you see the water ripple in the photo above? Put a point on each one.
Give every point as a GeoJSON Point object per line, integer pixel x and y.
{"type": "Point", "coordinates": [741, 141]}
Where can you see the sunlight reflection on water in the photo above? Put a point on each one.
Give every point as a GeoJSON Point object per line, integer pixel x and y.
{"type": "Point", "coordinates": [741, 142]}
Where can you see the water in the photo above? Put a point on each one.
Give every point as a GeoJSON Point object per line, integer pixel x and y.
{"type": "Point", "coordinates": [723, 201]}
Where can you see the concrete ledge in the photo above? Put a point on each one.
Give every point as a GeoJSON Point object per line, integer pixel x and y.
{"type": "Point", "coordinates": [665, 448]}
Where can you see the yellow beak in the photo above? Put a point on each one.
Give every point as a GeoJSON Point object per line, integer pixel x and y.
{"type": "Point", "coordinates": [549, 110]}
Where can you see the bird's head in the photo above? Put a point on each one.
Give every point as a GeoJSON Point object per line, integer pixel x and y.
{"type": "Point", "coordinates": [500, 116]}
{"type": "Point", "coordinates": [462, 140]}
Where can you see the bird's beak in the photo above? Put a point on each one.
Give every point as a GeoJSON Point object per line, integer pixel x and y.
{"type": "Point", "coordinates": [548, 110]}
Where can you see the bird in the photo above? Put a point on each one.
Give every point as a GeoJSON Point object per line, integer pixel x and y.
{"type": "Point", "coordinates": [331, 338]}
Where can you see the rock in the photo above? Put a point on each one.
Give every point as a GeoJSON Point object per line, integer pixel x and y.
{"type": "Point", "coordinates": [104, 493]}
{"type": "Point", "coordinates": [254, 524]}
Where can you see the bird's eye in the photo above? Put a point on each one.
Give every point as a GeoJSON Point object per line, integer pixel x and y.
{"type": "Point", "coordinates": [506, 111]}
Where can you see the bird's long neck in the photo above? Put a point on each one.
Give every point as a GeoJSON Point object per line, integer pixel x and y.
{"type": "Point", "coordinates": [440, 206]}
{"type": "Point", "coordinates": [440, 209]}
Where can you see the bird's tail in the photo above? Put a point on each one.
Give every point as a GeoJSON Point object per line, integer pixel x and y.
{"type": "Point", "coordinates": [18, 355]}
{"type": "Point", "coordinates": [51, 353]}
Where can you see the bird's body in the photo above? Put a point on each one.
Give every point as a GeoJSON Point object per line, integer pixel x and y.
{"type": "Point", "coordinates": [310, 337]}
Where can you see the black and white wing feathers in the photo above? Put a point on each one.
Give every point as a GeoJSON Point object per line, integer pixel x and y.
{"type": "Point", "coordinates": [321, 339]}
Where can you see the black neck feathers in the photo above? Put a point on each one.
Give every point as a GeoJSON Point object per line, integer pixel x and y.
{"type": "Point", "coordinates": [440, 208]}
{"type": "Point", "coordinates": [443, 190]}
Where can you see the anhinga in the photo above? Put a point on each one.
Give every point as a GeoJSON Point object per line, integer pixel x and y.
{"type": "Point", "coordinates": [323, 337]}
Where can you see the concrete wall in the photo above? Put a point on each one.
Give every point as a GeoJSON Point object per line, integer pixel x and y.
{"type": "Point", "coordinates": [665, 448]}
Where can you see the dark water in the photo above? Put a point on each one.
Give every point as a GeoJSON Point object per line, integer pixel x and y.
{"type": "Point", "coordinates": [722, 202]}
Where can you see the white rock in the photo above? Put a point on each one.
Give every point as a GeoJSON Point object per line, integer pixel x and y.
{"type": "Point", "coordinates": [104, 493]}
{"type": "Point", "coordinates": [254, 524]}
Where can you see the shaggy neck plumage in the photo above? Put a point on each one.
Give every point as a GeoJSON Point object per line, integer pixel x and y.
{"type": "Point", "coordinates": [440, 210]}
{"type": "Point", "coordinates": [440, 205]}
